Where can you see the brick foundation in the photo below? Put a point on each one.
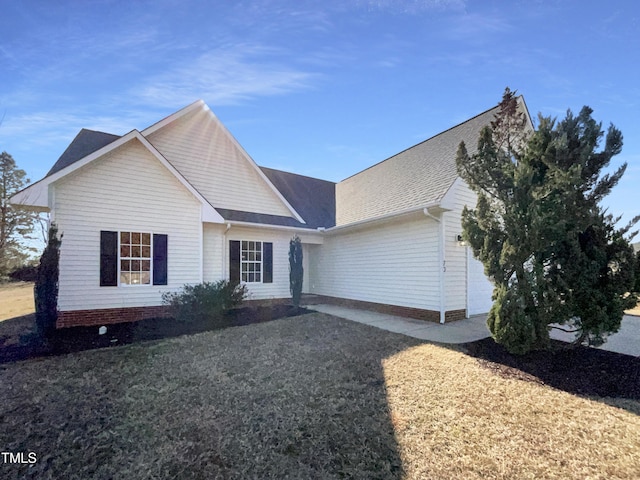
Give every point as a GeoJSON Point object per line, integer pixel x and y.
{"type": "Point", "coordinates": [107, 316]}
{"type": "Point", "coordinates": [417, 313]}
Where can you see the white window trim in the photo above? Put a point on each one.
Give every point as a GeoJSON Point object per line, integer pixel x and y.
{"type": "Point", "coordinates": [252, 261]}
{"type": "Point", "coordinates": [135, 285]}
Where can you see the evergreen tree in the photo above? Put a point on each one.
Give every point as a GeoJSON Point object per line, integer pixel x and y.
{"type": "Point", "coordinates": [296, 271]}
{"type": "Point", "coordinates": [15, 221]}
{"type": "Point", "coordinates": [46, 286]}
{"type": "Point", "coordinates": [555, 256]}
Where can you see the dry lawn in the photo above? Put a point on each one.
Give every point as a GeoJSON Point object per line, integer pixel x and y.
{"type": "Point", "coordinates": [16, 300]}
{"type": "Point", "coordinates": [304, 397]}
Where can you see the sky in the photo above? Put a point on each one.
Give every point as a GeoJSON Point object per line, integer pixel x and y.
{"type": "Point", "coordinates": [324, 89]}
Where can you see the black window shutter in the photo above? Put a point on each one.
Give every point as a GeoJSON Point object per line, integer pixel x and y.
{"type": "Point", "coordinates": [108, 259]}
{"type": "Point", "coordinates": [159, 259]}
{"type": "Point", "coordinates": [267, 262]}
{"type": "Point", "coordinates": [234, 262]}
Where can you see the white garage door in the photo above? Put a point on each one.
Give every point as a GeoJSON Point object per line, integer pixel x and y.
{"type": "Point", "coordinates": [479, 288]}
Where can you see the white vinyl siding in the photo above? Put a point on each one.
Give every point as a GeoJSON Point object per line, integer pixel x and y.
{"type": "Point", "coordinates": [208, 157]}
{"type": "Point", "coordinates": [126, 190]}
{"type": "Point", "coordinates": [279, 288]}
{"type": "Point", "coordinates": [214, 251]}
{"type": "Point", "coordinates": [395, 263]}
{"type": "Point", "coordinates": [462, 287]}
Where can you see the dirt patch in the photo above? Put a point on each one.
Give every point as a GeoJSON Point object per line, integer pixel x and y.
{"type": "Point", "coordinates": [582, 371]}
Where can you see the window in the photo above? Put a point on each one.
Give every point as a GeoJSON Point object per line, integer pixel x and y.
{"type": "Point", "coordinates": [135, 258]}
{"type": "Point", "coordinates": [251, 261]}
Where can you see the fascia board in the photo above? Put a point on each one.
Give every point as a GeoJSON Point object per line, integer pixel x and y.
{"type": "Point", "coordinates": [198, 104]}
{"type": "Point", "coordinates": [386, 217]}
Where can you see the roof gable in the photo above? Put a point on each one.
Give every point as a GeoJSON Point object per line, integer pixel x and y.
{"type": "Point", "coordinates": [204, 151]}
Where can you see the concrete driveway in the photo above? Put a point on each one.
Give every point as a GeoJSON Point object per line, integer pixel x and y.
{"type": "Point", "coordinates": [626, 341]}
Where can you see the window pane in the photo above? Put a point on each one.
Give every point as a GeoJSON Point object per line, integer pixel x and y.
{"type": "Point", "coordinates": [145, 278]}
{"type": "Point", "coordinates": [125, 278]}
{"type": "Point", "coordinates": [259, 246]}
{"type": "Point", "coordinates": [125, 251]}
{"type": "Point", "coordinates": [136, 238]}
{"type": "Point", "coordinates": [244, 245]}
{"type": "Point", "coordinates": [257, 277]}
{"type": "Point", "coordinates": [135, 265]}
{"type": "Point", "coordinates": [258, 267]}
{"type": "Point", "coordinates": [146, 239]}
{"type": "Point", "coordinates": [125, 265]}
{"type": "Point", "coordinates": [258, 256]}
{"type": "Point", "coordinates": [124, 237]}
{"type": "Point", "coordinates": [135, 250]}
{"type": "Point", "coordinates": [145, 265]}
{"type": "Point", "coordinates": [135, 278]}
{"type": "Point", "coordinates": [244, 277]}
{"type": "Point", "coordinates": [244, 267]}
{"type": "Point", "coordinates": [251, 277]}
{"type": "Point", "coordinates": [146, 252]}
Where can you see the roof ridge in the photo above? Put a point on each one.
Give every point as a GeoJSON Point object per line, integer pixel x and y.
{"type": "Point", "coordinates": [296, 174]}
{"type": "Point", "coordinates": [422, 142]}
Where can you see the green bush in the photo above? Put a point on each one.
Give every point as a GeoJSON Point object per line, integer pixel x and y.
{"type": "Point", "coordinates": [46, 286]}
{"type": "Point", "coordinates": [205, 301]}
{"type": "Point", "coordinates": [296, 271]}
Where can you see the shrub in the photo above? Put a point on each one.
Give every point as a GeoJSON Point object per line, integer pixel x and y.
{"type": "Point", "coordinates": [26, 273]}
{"type": "Point", "coordinates": [205, 301]}
{"type": "Point", "coordinates": [46, 287]}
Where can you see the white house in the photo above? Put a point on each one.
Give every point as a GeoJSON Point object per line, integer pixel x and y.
{"type": "Point", "coordinates": [181, 202]}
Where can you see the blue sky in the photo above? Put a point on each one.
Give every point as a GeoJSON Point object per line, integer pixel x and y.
{"type": "Point", "coordinates": [324, 89]}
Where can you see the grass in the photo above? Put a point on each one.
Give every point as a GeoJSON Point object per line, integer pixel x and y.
{"type": "Point", "coordinates": [303, 397]}
{"type": "Point", "coordinates": [16, 300]}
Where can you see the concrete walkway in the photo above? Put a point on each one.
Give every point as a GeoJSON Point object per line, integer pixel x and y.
{"type": "Point", "coordinates": [626, 341]}
{"type": "Point", "coordinates": [461, 331]}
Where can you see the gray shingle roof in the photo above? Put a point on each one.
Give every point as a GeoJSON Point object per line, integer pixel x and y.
{"type": "Point", "coordinates": [261, 218]}
{"type": "Point", "coordinates": [312, 198]}
{"type": "Point", "coordinates": [85, 143]}
{"type": "Point", "coordinates": [414, 177]}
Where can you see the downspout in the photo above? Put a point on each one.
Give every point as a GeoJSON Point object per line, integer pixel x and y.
{"type": "Point", "coordinates": [225, 253]}
{"type": "Point", "coordinates": [441, 260]}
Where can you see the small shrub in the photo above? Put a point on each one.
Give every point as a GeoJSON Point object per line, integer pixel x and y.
{"type": "Point", "coordinates": [205, 301]}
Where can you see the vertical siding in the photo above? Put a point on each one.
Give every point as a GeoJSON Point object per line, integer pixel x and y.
{"type": "Point", "coordinates": [127, 190]}
{"type": "Point", "coordinates": [209, 159]}
{"type": "Point", "coordinates": [395, 263]}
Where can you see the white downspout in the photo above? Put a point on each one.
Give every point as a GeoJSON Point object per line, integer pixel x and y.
{"type": "Point", "coordinates": [225, 253]}
{"type": "Point", "coordinates": [441, 260]}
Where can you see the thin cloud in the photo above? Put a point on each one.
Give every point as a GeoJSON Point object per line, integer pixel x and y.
{"type": "Point", "coordinates": [225, 77]}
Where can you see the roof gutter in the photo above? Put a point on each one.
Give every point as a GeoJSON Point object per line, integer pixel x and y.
{"type": "Point", "coordinates": [382, 218]}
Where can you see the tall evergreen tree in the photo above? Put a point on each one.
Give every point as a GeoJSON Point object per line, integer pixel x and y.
{"type": "Point", "coordinates": [554, 254]}
{"type": "Point", "coordinates": [15, 221]}
{"type": "Point", "coordinates": [296, 271]}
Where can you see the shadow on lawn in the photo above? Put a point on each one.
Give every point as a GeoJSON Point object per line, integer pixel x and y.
{"type": "Point", "coordinates": [581, 371]}
{"type": "Point", "coordinates": [298, 398]}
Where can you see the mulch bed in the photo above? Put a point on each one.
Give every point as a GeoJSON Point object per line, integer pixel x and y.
{"type": "Point", "coordinates": [77, 339]}
{"type": "Point", "coordinates": [581, 370]}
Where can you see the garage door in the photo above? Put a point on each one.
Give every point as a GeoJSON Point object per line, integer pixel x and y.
{"type": "Point", "coordinates": [479, 288]}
